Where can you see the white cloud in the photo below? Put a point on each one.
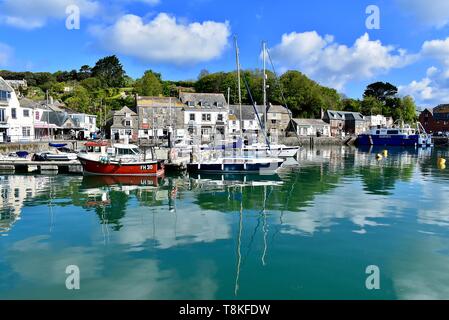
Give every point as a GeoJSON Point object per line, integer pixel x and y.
{"type": "Point", "coordinates": [5, 55]}
{"type": "Point", "coordinates": [433, 88]}
{"type": "Point", "coordinates": [334, 64]}
{"type": "Point", "coordinates": [164, 39]}
{"type": "Point", "coordinates": [434, 14]}
{"type": "Point", "coordinates": [31, 14]}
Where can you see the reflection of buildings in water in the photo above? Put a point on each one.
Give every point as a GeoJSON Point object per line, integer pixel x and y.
{"type": "Point", "coordinates": [15, 190]}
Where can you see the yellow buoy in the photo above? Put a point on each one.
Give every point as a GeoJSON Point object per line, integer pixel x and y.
{"type": "Point", "coordinates": [441, 163]}
{"type": "Point", "coordinates": [385, 153]}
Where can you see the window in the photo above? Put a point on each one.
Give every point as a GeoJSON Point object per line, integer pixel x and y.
{"type": "Point", "coordinates": [13, 113]}
{"type": "Point", "coordinates": [5, 96]}
{"type": "Point", "coordinates": [36, 115]}
{"type": "Point", "coordinates": [2, 115]}
{"type": "Point", "coordinates": [128, 123]}
{"type": "Point", "coordinates": [26, 131]}
{"type": "Point", "coordinates": [192, 117]}
{"type": "Point", "coordinates": [220, 117]}
{"type": "Point", "coordinates": [234, 123]}
{"type": "Point", "coordinates": [393, 132]}
{"type": "Point", "coordinates": [206, 117]}
{"type": "Point", "coordinates": [26, 113]}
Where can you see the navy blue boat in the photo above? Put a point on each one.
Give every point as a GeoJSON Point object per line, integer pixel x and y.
{"type": "Point", "coordinates": [399, 137]}
{"type": "Point", "coordinates": [57, 145]}
{"type": "Point", "coordinates": [22, 154]}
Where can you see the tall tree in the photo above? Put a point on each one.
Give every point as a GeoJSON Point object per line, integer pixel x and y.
{"type": "Point", "coordinates": [85, 72]}
{"type": "Point", "coordinates": [110, 72]}
{"type": "Point", "coordinates": [382, 91]}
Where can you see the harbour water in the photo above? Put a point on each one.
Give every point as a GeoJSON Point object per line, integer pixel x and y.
{"type": "Point", "coordinates": [309, 232]}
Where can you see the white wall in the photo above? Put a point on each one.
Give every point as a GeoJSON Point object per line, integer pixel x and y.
{"type": "Point", "coordinates": [20, 122]}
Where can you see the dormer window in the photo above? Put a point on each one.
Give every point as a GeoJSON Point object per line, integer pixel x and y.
{"type": "Point", "coordinates": [190, 103]}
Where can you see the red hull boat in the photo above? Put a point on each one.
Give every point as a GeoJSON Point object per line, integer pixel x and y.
{"type": "Point", "coordinates": [121, 160]}
{"type": "Point", "coordinates": [148, 168]}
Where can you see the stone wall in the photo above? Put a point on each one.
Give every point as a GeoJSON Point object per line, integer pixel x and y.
{"type": "Point", "coordinates": [32, 147]}
{"type": "Point", "coordinates": [306, 141]}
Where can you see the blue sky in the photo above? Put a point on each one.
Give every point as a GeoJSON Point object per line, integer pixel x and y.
{"type": "Point", "coordinates": [327, 40]}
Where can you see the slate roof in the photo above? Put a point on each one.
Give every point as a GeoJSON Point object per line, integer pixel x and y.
{"type": "Point", "coordinates": [123, 111]}
{"type": "Point", "coordinates": [4, 86]}
{"type": "Point", "coordinates": [278, 109]}
{"type": "Point", "coordinates": [310, 122]}
{"type": "Point", "coordinates": [28, 103]}
{"type": "Point", "coordinates": [442, 108]}
{"type": "Point", "coordinates": [203, 99]}
{"type": "Point", "coordinates": [345, 115]}
{"type": "Point", "coordinates": [42, 104]}
{"type": "Point", "coordinates": [247, 111]}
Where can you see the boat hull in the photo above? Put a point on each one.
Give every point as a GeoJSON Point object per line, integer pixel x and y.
{"type": "Point", "coordinates": [390, 140]}
{"type": "Point", "coordinates": [233, 167]}
{"type": "Point", "coordinates": [93, 167]}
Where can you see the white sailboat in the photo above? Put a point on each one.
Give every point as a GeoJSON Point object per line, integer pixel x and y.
{"type": "Point", "coordinates": [237, 163]}
{"type": "Point", "coordinates": [276, 150]}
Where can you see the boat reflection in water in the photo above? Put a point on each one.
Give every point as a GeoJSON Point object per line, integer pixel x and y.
{"type": "Point", "coordinates": [137, 181]}
{"type": "Point", "coordinates": [235, 179]}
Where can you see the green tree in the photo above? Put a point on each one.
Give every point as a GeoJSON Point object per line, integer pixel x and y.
{"type": "Point", "coordinates": [371, 106]}
{"type": "Point", "coordinates": [110, 72]}
{"type": "Point", "coordinates": [352, 105]}
{"type": "Point", "coordinates": [79, 100]}
{"type": "Point", "coordinates": [85, 72]}
{"type": "Point", "coordinates": [408, 109]}
{"type": "Point", "coordinates": [91, 84]}
{"type": "Point", "coordinates": [149, 85]}
{"type": "Point", "coordinates": [381, 91]}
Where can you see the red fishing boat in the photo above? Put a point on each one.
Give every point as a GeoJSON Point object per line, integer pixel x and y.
{"type": "Point", "coordinates": [120, 160]}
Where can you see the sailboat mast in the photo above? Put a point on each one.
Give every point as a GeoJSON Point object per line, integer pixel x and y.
{"type": "Point", "coordinates": [264, 85]}
{"type": "Point", "coordinates": [237, 58]}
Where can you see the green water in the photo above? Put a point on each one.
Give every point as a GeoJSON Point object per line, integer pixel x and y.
{"type": "Point", "coordinates": [307, 233]}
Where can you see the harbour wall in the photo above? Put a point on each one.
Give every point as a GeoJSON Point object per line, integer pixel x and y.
{"type": "Point", "coordinates": [315, 141]}
{"type": "Point", "coordinates": [32, 147]}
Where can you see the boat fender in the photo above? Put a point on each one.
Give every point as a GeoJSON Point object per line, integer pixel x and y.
{"type": "Point", "coordinates": [441, 163]}
{"type": "Point", "coordinates": [379, 156]}
{"type": "Point", "coordinates": [385, 153]}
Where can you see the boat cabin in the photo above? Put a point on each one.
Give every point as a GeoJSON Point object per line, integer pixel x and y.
{"type": "Point", "coordinates": [382, 131]}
